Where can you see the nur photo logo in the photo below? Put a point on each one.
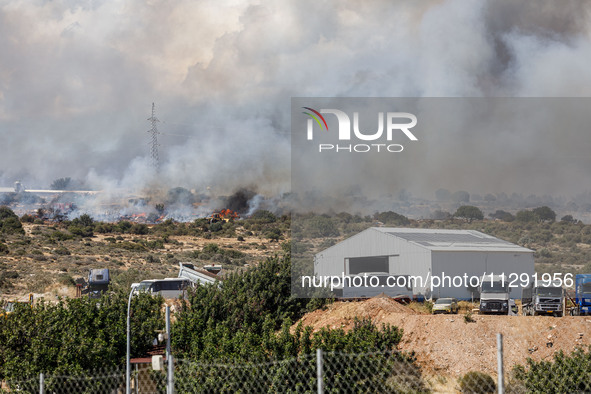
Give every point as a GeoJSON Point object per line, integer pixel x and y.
{"type": "Point", "coordinates": [390, 126]}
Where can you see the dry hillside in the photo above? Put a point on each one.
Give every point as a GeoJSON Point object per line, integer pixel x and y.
{"type": "Point", "coordinates": [447, 345]}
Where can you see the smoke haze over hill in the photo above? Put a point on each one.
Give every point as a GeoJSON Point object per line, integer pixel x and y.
{"type": "Point", "coordinates": [77, 80]}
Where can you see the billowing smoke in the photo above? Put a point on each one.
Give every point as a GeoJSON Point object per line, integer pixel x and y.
{"type": "Point", "coordinates": [238, 201]}
{"type": "Point", "coordinates": [77, 81]}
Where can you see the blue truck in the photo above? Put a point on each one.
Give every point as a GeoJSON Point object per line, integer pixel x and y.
{"type": "Point", "coordinates": [582, 299]}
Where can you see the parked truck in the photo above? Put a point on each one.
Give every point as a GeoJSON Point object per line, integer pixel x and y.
{"type": "Point", "coordinates": [542, 300]}
{"type": "Point", "coordinates": [494, 295]}
{"type": "Point", "coordinates": [582, 299]}
{"type": "Point", "coordinates": [98, 282]}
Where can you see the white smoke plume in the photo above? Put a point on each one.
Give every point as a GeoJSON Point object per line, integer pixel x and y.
{"type": "Point", "coordinates": [77, 79]}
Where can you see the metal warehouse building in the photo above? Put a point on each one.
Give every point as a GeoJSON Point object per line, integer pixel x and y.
{"type": "Point", "coordinates": [424, 253]}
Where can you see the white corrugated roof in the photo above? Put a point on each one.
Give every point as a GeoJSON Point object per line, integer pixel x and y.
{"type": "Point", "coordinates": [452, 240]}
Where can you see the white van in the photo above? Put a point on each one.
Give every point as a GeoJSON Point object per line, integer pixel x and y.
{"type": "Point", "coordinates": [167, 288]}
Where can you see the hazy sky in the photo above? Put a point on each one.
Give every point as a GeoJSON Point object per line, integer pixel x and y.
{"type": "Point", "coordinates": [77, 78]}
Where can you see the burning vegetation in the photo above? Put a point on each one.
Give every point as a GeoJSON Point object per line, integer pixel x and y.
{"type": "Point", "coordinates": [225, 215]}
{"type": "Point", "coordinates": [150, 207]}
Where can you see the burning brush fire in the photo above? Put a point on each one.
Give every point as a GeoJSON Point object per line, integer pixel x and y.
{"type": "Point", "coordinates": [178, 204]}
{"type": "Point", "coordinates": [225, 215]}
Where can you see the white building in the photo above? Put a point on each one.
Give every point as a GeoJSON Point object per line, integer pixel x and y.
{"type": "Point", "coordinates": [429, 254]}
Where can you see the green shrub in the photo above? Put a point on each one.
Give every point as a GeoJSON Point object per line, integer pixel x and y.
{"type": "Point", "coordinates": [468, 317]}
{"type": "Point", "coordinates": [566, 374]}
{"type": "Point", "coordinates": [210, 248]}
{"type": "Point", "coordinates": [321, 226]}
{"type": "Point", "coordinates": [60, 236]}
{"type": "Point", "coordinates": [139, 229]}
{"type": "Point", "coordinates": [27, 218]}
{"type": "Point", "coordinates": [264, 216]}
{"type": "Point", "coordinates": [545, 213]}
{"type": "Point", "coordinates": [526, 216]}
{"type": "Point", "coordinates": [66, 280]}
{"type": "Point", "coordinates": [9, 222]}
{"type": "Point", "coordinates": [128, 246]}
{"type": "Point", "coordinates": [477, 382]}
{"type": "Point", "coordinates": [124, 226]}
{"type": "Point", "coordinates": [81, 231]}
{"type": "Point", "coordinates": [392, 218]}
{"type": "Point", "coordinates": [215, 227]}
{"type": "Point", "coordinates": [273, 235]}
{"type": "Point", "coordinates": [105, 228]}
{"type": "Point", "coordinates": [469, 213]}
{"type": "Point", "coordinates": [5, 277]}
{"type": "Point", "coordinates": [62, 251]}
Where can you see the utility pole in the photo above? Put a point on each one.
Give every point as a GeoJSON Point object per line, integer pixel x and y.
{"type": "Point", "coordinates": [170, 374]}
{"type": "Point", "coordinates": [154, 149]}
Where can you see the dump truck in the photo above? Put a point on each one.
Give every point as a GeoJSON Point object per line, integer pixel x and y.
{"type": "Point", "coordinates": [197, 277]}
{"type": "Point", "coordinates": [542, 300]}
{"type": "Point", "coordinates": [98, 282]}
{"type": "Point", "coordinates": [494, 295]}
{"type": "Point", "coordinates": [582, 299]}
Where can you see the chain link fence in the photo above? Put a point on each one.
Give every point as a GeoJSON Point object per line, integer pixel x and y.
{"type": "Point", "coordinates": [105, 380]}
{"type": "Point", "coordinates": [324, 372]}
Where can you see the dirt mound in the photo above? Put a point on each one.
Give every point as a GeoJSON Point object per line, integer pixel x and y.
{"type": "Point", "coordinates": [448, 345]}
{"type": "Point", "coordinates": [342, 314]}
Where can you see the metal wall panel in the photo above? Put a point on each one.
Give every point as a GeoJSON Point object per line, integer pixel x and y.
{"type": "Point", "coordinates": [404, 258]}
{"type": "Point", "coordinates": [476, 264]}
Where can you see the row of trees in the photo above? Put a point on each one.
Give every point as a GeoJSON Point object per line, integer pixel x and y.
{"type": "Point", "coordinates": [318, 226]}
{"type": "Point", "coordinates": [538, 215]}
{"type": "Point", "coordinates": [239, 321]}
{"type": "Point", "coordinates": [75, 335]}
{"type": "Point", "coordinates": [248, 319]}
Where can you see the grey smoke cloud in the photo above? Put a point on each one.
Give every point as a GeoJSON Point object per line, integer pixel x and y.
{"type": "Point", "coordinates": [77, 79]}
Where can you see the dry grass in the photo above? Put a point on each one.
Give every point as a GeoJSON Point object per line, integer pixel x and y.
{"type": "Point", "coordinates": [466, 306]}
{"type": "Point", "coordinates": [420, 307]}
{"type": "Point", "coordinates": [47, 255]}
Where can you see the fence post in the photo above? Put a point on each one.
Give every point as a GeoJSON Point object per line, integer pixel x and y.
{"type": "Point", "coordinates": [319, 371]}
{"type": "Point", "coordinates": [170, 386]}
{"type": "Point", "coordinates": [501, 380]}
{"type": "Point", "coordinates": [41, 383]}
{"type": "Point", "coordinates": [170, 374]}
